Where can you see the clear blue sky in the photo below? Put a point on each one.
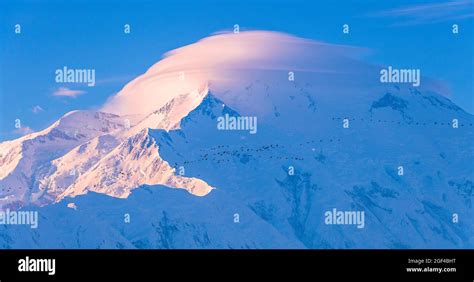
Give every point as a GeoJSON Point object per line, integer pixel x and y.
{"type": "Point", "coordinates": [89, 34]}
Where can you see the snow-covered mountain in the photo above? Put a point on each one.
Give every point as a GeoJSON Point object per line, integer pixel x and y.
{"type": "Point", "coordinates": [324, 141]}
{"type": "Point", "coordinates": [93, 151]}
{"type": "Point", "coordinates": [24, 160]}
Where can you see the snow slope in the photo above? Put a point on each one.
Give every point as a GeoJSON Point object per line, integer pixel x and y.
{"type": "Point", "coordinates": [93, 151]}
{"type": "Point", "coordinates": [23, 160]}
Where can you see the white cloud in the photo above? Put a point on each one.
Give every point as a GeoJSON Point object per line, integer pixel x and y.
{"type": "Point", "coordinates": [37, 109]}
{"type": "Point", "coordinates": [428, 13]}
{"type": "Point", "coordinates": [216, 61]}
{"type": "Point", "coordinates": [64, 91]}
{"type": "Point", "coordinates": [226, 63]}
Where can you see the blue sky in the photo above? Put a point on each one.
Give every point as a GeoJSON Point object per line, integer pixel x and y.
{"type": "Point", "coordinates": [89, 34]}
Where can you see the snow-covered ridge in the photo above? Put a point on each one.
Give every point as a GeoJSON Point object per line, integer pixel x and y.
{"type": "Point", "coordinates": [93, 151]}
{"type": "Point", "coordinates": [24, 159]}
{"type": "Point", "coordinates": [169, 115]}
{"type": "Point", "coordinates": [134, 162]}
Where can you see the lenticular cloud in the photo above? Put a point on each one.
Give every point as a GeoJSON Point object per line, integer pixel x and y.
{"type": "Point", "coordinates": [221, 60]}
